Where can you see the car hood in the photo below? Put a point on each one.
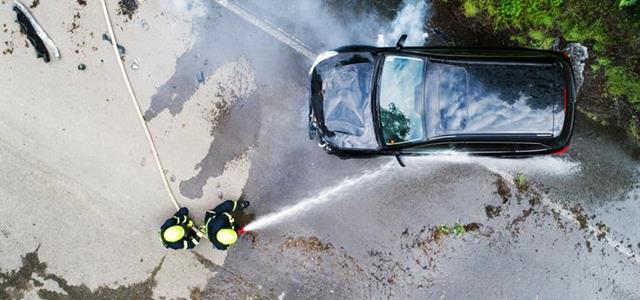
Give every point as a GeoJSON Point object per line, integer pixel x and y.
{"type": "Point", "coordinates": [341, 96]}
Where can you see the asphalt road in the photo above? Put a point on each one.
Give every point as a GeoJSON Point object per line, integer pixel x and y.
{"type": "Point", "coordinates": [377, 240]}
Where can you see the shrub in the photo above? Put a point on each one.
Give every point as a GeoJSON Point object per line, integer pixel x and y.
{"type": "Point", "coordinates": [470, 9]}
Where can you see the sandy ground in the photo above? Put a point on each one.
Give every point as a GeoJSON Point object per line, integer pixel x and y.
{"type": "Point", "coordinates": [79, 183]}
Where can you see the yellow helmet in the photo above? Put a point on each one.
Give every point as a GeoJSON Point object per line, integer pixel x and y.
{"type": "Point", "coordinates": [226, 236]}
{"type": "Point", "coordinates": [173, 233]}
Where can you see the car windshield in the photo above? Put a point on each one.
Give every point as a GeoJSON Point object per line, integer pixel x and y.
{"type": "Point", "coordinates": [401, 99]}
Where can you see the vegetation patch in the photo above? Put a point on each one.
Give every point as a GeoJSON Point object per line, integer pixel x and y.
{"type": "Point", "coordinates": [458, 229]}
{"type": "Point", "coordinates": [521, 183]}
{"type": "Point", "coordinates": [603, 229]}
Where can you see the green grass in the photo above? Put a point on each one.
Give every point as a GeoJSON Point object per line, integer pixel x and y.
{"type": "Point", "coordinates": [470, 9]}
{"type": "Point", "coordinates": [611, 29]}
{"type": "Point", "coordinates": [622, 82]}
{"type": "Point", "coordinates": [520, 181]}
{"type": "Point", "coordinates": [444, 229]}
{"type": "Point", "coordinates": [459, 229]}
{"type": "Point", "coordinates": [625, 3]}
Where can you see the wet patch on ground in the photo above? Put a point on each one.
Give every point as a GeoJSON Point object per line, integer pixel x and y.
{"type": "Point", "coordinates": [33, 274]}
{"type": "Point", "coordinates": [229, 284]}
{"type": "Point", "coordinates": [199, 61]}
{"type": "Point", "coordinates": [233, 113]}
{"type": "Point", "coordinates": [127, 8]}
{"type": "Point", "coordinates": [236, 133]}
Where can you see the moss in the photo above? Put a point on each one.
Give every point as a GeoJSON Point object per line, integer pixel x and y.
{"type": "Point", "coordinates": [521, 182]}
{"type": "Point", "coordinates": [443, 229]}
{"type": "Point", "coordinates": [622, 82]}
{"type": "Point", "coordinates": [594, 117]}
{"type": "Point", "coordinates": [470, 9]}
{"type": "Point", "coordinates": [459, 229]}
{"type": "Point", "coordinates": [625, 3]}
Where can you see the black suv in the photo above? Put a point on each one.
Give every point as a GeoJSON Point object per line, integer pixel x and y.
{"type": "Point", "coordinates": [419, 100]}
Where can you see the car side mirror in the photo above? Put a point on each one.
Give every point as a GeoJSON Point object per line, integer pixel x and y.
{"type": "Point", "coordinates": [399, 159]}
{"type": "Point", "coordinates": [401, 41]}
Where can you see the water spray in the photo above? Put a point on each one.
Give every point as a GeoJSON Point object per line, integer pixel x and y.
{"type": "Point", "coordinates": [322, 197]}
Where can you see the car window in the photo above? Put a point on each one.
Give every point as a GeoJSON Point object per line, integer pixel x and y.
{"type": "Point", "coordinates": [401, 99]}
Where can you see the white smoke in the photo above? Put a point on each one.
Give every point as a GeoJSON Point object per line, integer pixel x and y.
{"type": "Point", "coordinates": [578, 55]}
{"type": "Point", "coordinates": [410, 20]}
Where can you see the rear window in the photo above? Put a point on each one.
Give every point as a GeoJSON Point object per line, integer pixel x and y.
{"type": "Point", "coordinates": [401, 99]}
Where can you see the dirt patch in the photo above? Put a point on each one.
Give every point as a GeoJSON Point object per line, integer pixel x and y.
{"type": "Point", "coordinates": [82, 2]}
{"type": "Point", "coordinates": [15, 283]}
{"type": "Point", "coordinates": [603, 229]}
{"type": "Point", "coordinates": [34, 4]}
{"type": "Point", "coordinates": [75, 24]}
{"type": "Point", "coordinates": [231, 83]}
{"type": "Point", "coordinates": [514, 226]}
{"type": "Point", "coordinates": [472, 227]}
{"type": "Point", "coordinates": [310, 244]}
{"type": "Point", "coordinates": [580, 217]}
{"type": "Point", "coordinates": [559, 221]}
{"type": "Point", "coordinates": [535, 198]}
{"type": "Point", "coordinates": [503, 189]}
{"type": "Point", "coordinates": [492, 211]}
{"type": "Point", "coordinates": [33, 272]}
{"type": "Point", "coordinates": [588, 244]}
{"type": "Point", "coordinates": [436, 235]}
{"type": "Point", "coordinates": [127, 8]}
{"type": "Point", "coordinates": [196, 294]}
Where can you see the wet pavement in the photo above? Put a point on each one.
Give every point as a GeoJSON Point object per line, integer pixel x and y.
{"type": "Point", "coordinates": [375, 241]}
{"type": "Point", "coordinates": [380, 239]}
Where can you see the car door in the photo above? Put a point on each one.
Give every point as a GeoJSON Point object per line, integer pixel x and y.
{"type": "Point", "coordinates": [488, 148]}
{"type": "Point", "coordinates": [435, 148]}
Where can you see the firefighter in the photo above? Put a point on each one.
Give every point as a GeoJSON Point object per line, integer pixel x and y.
{"type": "Point", "coordinates": [220, 226]}
{"type": "Point", "coordinates": [178, 232]}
